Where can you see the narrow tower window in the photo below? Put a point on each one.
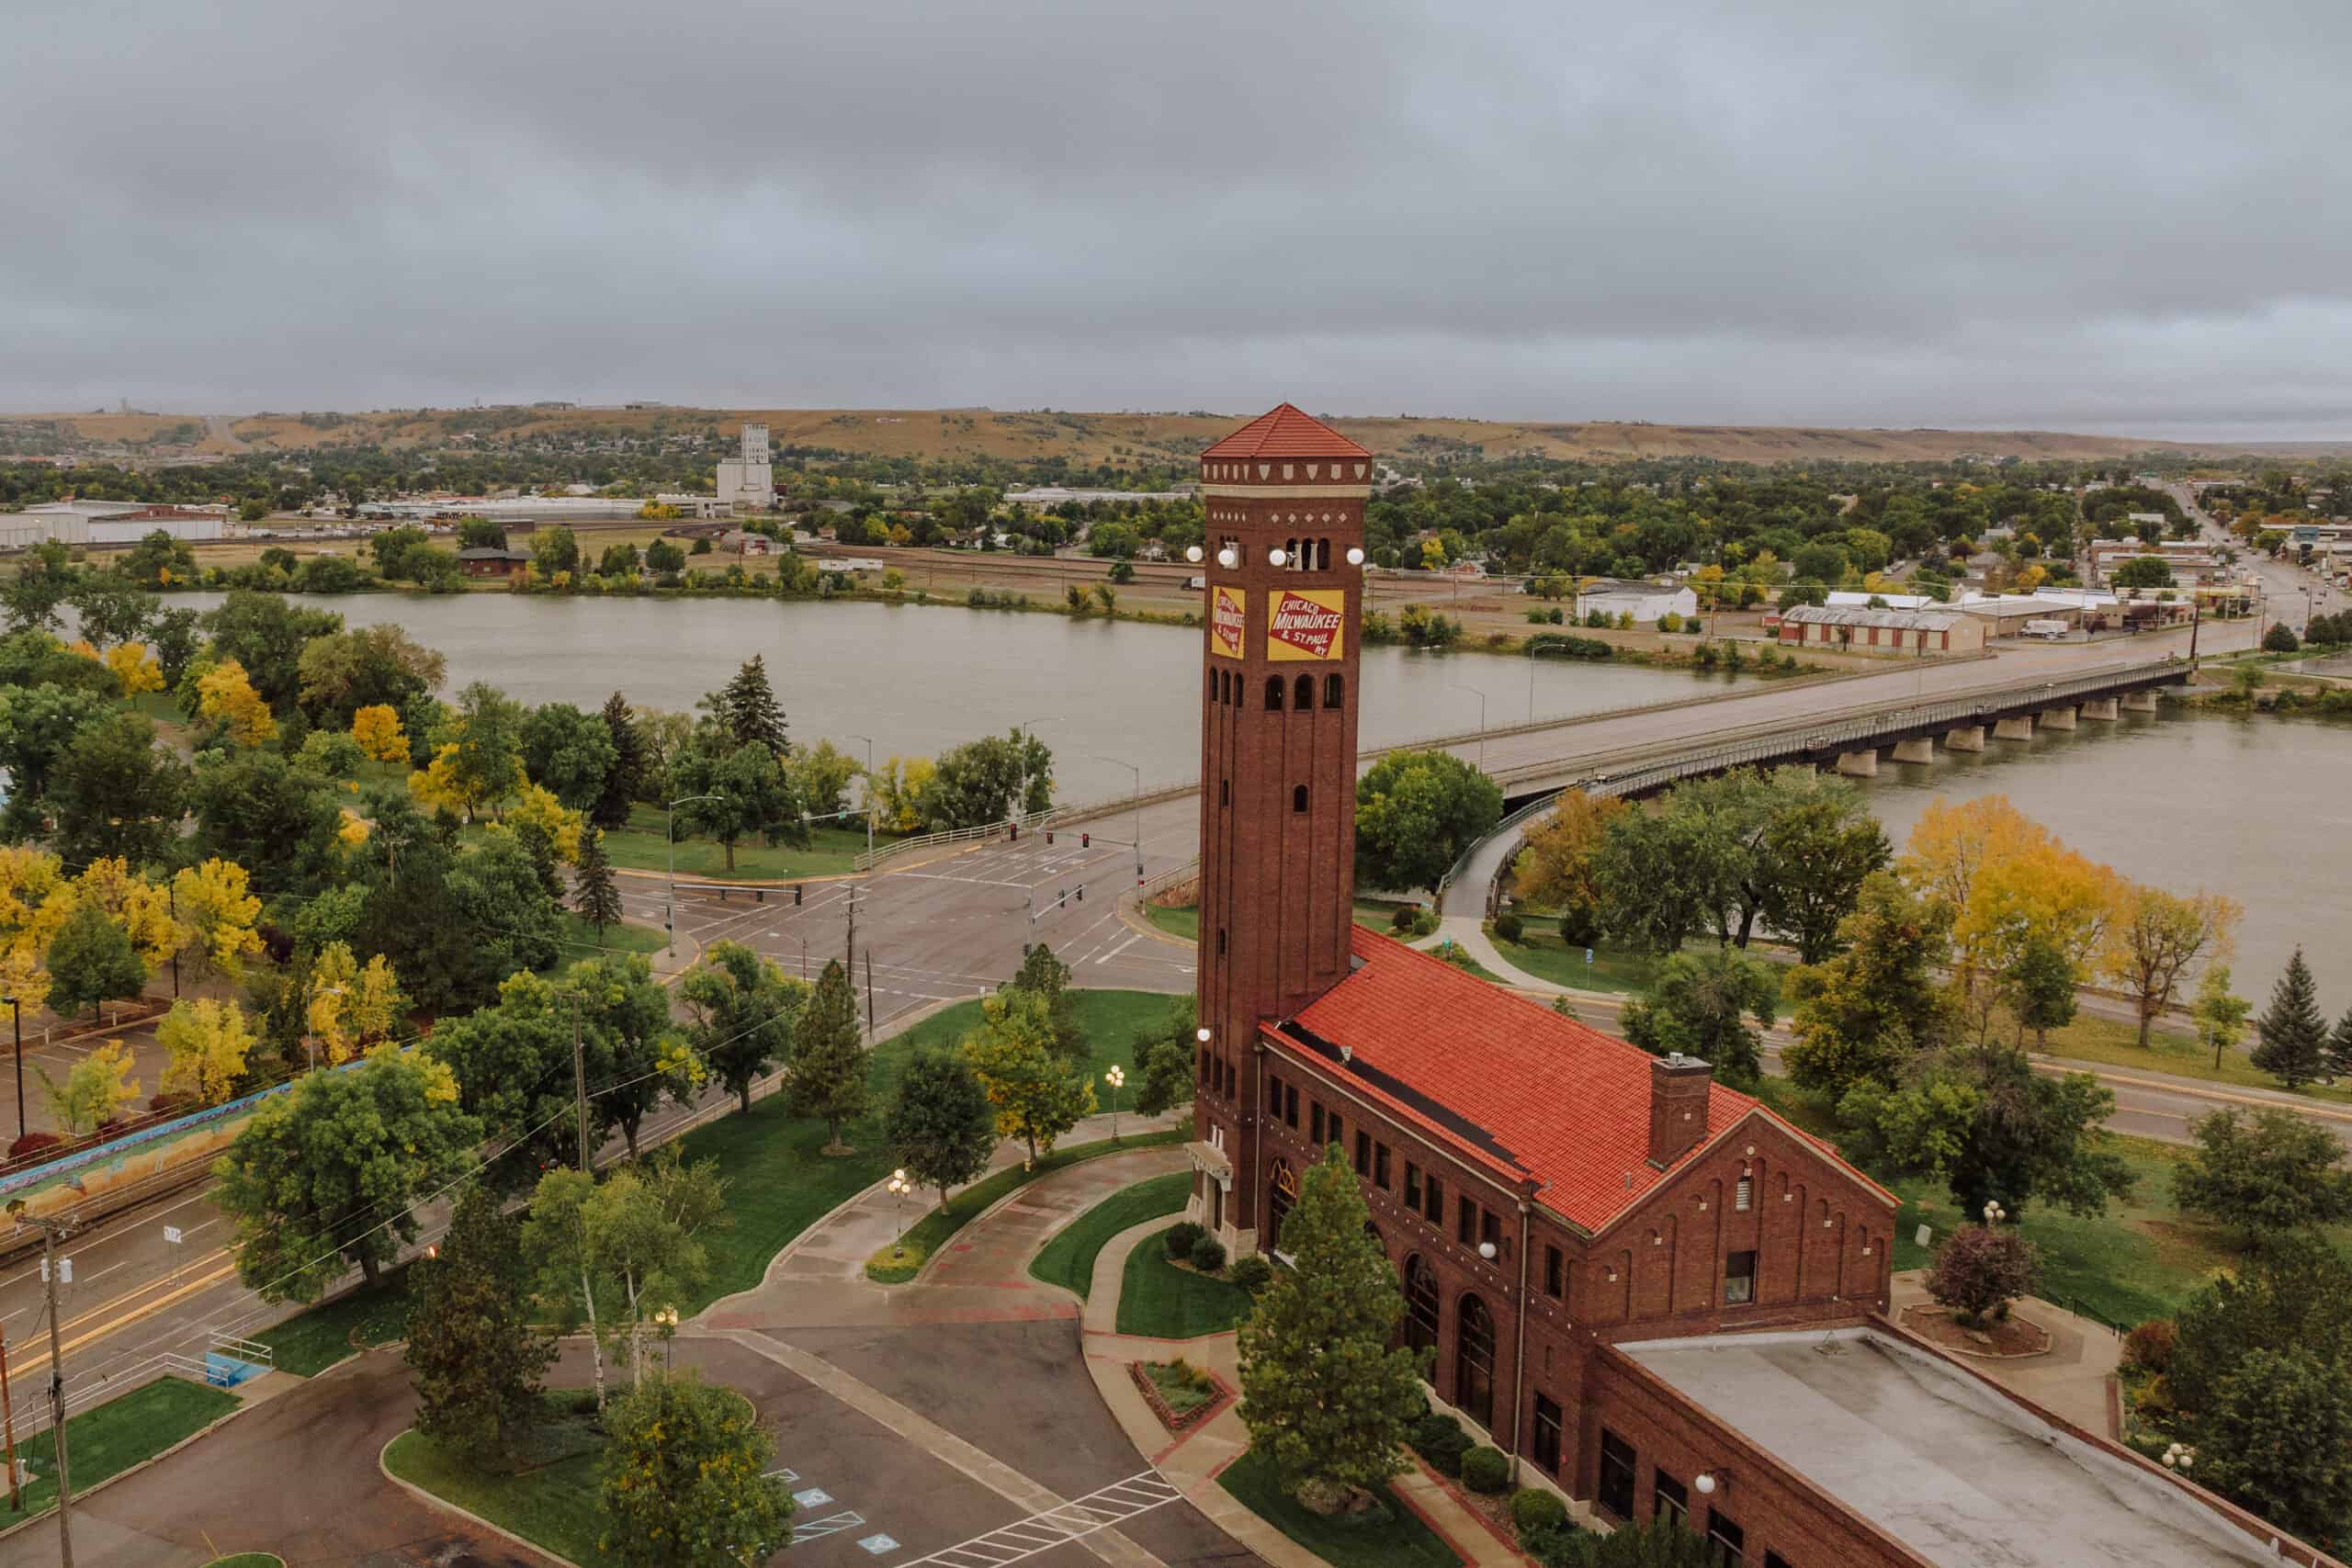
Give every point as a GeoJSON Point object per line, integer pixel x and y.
{"type": "Point", "coordinates": [1274, 693]}
{"type": "Point", "coordinates": [1302, 696]}
{"type": "Point", "coordinates": [1298, 797]}
{"type": "Point", "coordinates": [1334, 687]}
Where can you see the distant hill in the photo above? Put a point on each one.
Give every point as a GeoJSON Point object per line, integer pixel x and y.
{"type": "Point", "coordinates": [1090, 438]}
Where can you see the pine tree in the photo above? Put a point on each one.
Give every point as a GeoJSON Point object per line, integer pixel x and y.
{"type": "Point", "coordinates": [2339, 1047]}
{"type": "Point", "coordinates": [747, 706]}
{"type": "Point", "coordinates": [596, 893]}
{"type": "Point", "coordinates": [2293, 1034]}
{"type": "Point", "coordinates": [626, 775]}
{"type": "Point", "coordinates": [1326, 1397]}
{"type": "Point", "coordinates": [1048, 976]}
{"type": "Point", "coordinates": [475, 1356]}
{"type": "Point", "coordinates": [829, 1058]}
{"type": "Point", "coordinates": [940, 1126]}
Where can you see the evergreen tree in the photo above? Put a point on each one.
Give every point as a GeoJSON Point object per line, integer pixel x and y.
{"type": "Point", "coordinates": [940, 1127]}
{"type": "Point", "coordinates": [2294, 1034]}
{"type": "Point", "coordinates": [596, 893]}
{"type": "Point", "coordinates": [474, 1354]}
{"type": "Point", "coordinates": [1047, 976]}
{"type": "Point", "coordinates": [829, 1058]}
{"type": "Point", "coordinates": [1325, 1394]}
{"type": "Point", "coordinates": [626, 777]}
{"type": "Point", "coordinates": [2339, 1047]}
{"type": "Point", "coordinates": [748, 708]}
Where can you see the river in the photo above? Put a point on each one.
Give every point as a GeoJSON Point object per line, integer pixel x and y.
{"type": "Point", "coordinates": [2253, 808]}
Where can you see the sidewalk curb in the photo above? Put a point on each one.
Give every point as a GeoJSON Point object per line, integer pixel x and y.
{"type": "Point", "coordinates": [432, 1500]}
{"type": "Point", "coordinates": [80, 1493]}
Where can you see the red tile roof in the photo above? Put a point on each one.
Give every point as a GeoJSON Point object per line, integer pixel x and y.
{"type": "Point", "coordinates": [1286, 431]}
{"type": "Point", "coordinates": [1563, 1105]}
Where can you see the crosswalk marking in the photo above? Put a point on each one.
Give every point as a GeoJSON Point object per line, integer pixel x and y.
{"type": "Point", "coordinates": [1081, 1517]}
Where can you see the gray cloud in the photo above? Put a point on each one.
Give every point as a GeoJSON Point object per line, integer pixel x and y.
{"type": "Point", "coordinates": [2072, 213]}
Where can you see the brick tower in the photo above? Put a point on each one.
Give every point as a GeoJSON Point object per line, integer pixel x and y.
{"type": "Point", "coordinates": [1284, 498]}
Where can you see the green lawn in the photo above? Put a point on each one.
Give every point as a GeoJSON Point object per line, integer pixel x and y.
{"type": "Point", "coordinates": [249, 1559]}
{"type": "Point", "coordinates": [779, 1183]}
{"type": "Point", "coordinates": [312, 1341]}
{"type": "Point", "coordinates": [553, 1502]}
{"type": "Point", "coordinates": [1159, 1300]}
{"type": "Point", "coordinates": [107, 1439]}
{"type": "Point", "coordinates": [1388, 1535]}
{"type": "Point", "coordinates": [2115, 1043]}
{"type": "Point", "coordinates": [579, 940]}
{"type": "Point", "coordinates": [644, 845]}
{"type": "Point", "coordinates": [1541, 954]}
{"type": "Point", "coordinates": [901, 1261]}
{"type": "Point", "coordinates": [1464, 962]}
{"type": "Point", "coordinates": [1177, 919]}
{"type": "Point", "coordinates": [1067, 1259]}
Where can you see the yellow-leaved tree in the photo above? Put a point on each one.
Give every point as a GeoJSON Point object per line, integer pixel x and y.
{"type": "Point", "coordinates": [1950, 844]}
{"type": "Point", "coordinates": [1554, 871]}
{"type": "Point", "coordinates": [209, 1042]}
{"type": "Point", "coordinates": [34, 901]}
{"type": "Point", "coordinates": [98, 1087]}
{"type": "Point", "coordinates": [538, 809]}
{"type": "Point", "coordinates": [896, 788]}
{"type": "Point", "coordinates": [143, 909]}
{"type": "Point", "coordinates": [351, 1007]}
{"type": "Point", "coordinates": [135, 667]}
{"type": "Point", "coordinates": [217, 913]}
{"type": "Point", "coordinates": [225, 693]}
{"type": "Point", "coordinates": [2157, 936]}
{"type": "Point", "coordinates": [378, 730]}
{"type": "Point", "coordinates": [353, 830]}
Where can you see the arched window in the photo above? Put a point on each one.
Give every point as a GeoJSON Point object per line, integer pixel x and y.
{"type": "Point", "coordinates": [1421, 1304]}
{"type": "Point", "coordinates": [1473, 1362]}
{"type": "Point", "coordinates": [1290, 554]}
{"type": "Point", "coordinates": [1274, 693]}
{"type": "Point", "coordinates": [1303, 694]}
{"type": "Point", "coordinates": [1225, 792]}
{"type": "Point", "coordinates": [1322, 554]}
{"type": "Point", "coordinates": [1282, 1191]}
{"type": "Point", "coordinates": [1298, 797]}
{"type": "Point", "coordinates": [1334, 688]}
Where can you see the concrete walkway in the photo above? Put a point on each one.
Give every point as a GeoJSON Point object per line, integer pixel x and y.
{"type": "Point", "coordinates": [1192, 1461]}
{"type": "Point", "coordinates": [2071, 1379]}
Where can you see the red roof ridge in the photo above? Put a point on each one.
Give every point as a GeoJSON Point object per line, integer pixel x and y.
{"type": "Point", "coordinates": [1285, 431]}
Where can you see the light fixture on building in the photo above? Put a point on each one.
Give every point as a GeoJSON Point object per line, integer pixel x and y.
{"type": "Point", "coordinates": [1487, 1250]}
{"type": "Point", "coordinates": [1202, 1034]}
{"type": "Point", "coordinates": [1228, 558]}
{"type": "Point", "coordinates": [1275, 557]}
{"type": "Point", "coordinates": [1709, 1481]}
{"type": "Point", "coordinates": [1355, 555]}
{"type": "Point", "coordinates": [1192, 554]}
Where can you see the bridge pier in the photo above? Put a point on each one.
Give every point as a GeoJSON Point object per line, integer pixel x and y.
{"type": "Point", "coordinates": [2140, 701]}
{"type": "Point", "coordinates": [1859, 764]}
{"type": "Point", "coordinates": [1922, 749]}
{"type": "Point", "coordinates": [2100, 708]}
{"type": "Point", "coordinates": [2018, 727]}
{"type": "Point", "coordinates": [2058, 718]}
{"type": "Point", "coordinates": [1967, 738]}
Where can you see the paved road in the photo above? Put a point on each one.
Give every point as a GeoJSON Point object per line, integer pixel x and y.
{"type": "Point", "coordinates": [2283, 584]}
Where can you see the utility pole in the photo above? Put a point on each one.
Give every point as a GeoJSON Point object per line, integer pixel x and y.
{"type": "Point", "coordinates": [579, 1087]}
{"type": "Point", "coordinates": [52, 1230]}
{"type": "Point", "coordinates": [9, 1427]}
{"type": "Point", "coordinates": [869, 998]}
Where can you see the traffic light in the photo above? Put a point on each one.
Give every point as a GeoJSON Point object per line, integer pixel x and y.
{"type": "Point", "coordinates": [1086, 841]}
{"type": "Point", "coordinates": [1049, 837]}
{"type": "Point", "coordinates": [797, 893]}
{"type": "Point", "coordinates": [1081, 892]}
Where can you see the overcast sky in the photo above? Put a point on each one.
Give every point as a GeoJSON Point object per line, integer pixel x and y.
{"type": "Point", "coordinates": [2060, 213]}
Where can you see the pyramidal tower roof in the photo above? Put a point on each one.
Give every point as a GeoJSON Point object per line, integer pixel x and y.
{"type": "Point", "coordinates": [1285, 431]}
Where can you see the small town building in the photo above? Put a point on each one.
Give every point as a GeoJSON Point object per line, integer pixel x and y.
{"type": "Point", "coordinates": [484, 561]}
{"type": "Point", "coordinates": [1862, 599]}
{"type": "Point", "coordinates": [1884, 631]}
{"type": "Point", "coordinates": [747, 482]}
{"type": "Point", "coordinates": [1041, 496]}
{"type": "Point", "coordinates": [1646, 602]}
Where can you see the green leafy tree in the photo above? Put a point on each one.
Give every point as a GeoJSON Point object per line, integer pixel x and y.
{"type": "Point", "coordinates": [97, 1087]}
{"type": "Point", "coordinates": [987, 781]}
{"type": "Point", "coordinates": [1416, 812]}
{"type": "Point", "coordinates": [2293, 1032]}
{"type": "Point", "coordinates": [747, 709]}
{"type": "Point", "coordinates": [265, 633]}
{"type": "Point", "coordinates": [512, 1064]}
{"type": "Point", "coordinates": [480, 534]}
{"type": "Point", "coordinates": [114, 793]}
{"type": "Point", "coordinates": [1327, 1393]}
{"type": "Point", "coordinates": [37, 725]}
{"type": "Point", "coordinates": [1036, 1095]}
{"type": "Point", "coordinates": [745, 792]}
{"type": "Point", "coordinates": [328, 1175]}
{"type": "Point", "coordinates": [2296, 1289]}
{"type": "Point", "coordinates": [499, 903]}
{"type": "Point", "coordinates": [744, 1013]}
{"type": "Point", "coordinates": [821, 777]}
{"type": "Point", "coordinates": [595, 891]}
{"type": "Point", "coordinates": [43, 579]}
{"type": "Point", "coordinates": [2142, 571]}
{"type": "Point", "coordinates": [1165, 1054]}
{"type": "Point", "coordinates": [626, 779]}
{"type": "Point", "coordinates": [1864, 1013]}
{"type": "Point", "coordinates": [1981, 1269]}
{"type": "Point", "coordinates": [568, 753]}
{"type": "Point", "coordinates": [473, 1353]}
{"type": "Point", "coordinates": [940, 1126]}
{"type": "Point", "coordinates": [829, 1058]}
{"type": "Point", "coordinates": [92, 960]}
{"type": "Point", "coordinates": [2267, 1171]}
{"type": "Point", "coordinates": [685, 1480]}
{"type": "Point", "coordinates": [2038, 986]}
{"type": "Point", "coordinates": [2278, 1440]}
{"type": "Point", "coordinates": [485, 729]}
{"type": "Point", "coordinates": [1991, 1128]}
{"type": "Point", "coordinates": [256, 808]}
{"type": "Point", "coordinates": [2220, 1016]}
{"type": "Point", "coordinates": [661, 556]}
{"type": "Point", "coordinates": [175, 640]}
{"type": "Point", "coordinates": [554, 551]}
{"type": "Point", "coordinates": [113, 613]}
{"type": "Point", "coordinates": [632, 1047]}
{"type": "Point", "coordinates": [1700, 1004]}
{"type": "Point", "coordinates": [366, 667]}
{"type": "Point", "coordinates": [1046, 975]}
{"type": "Point", "coordinates": [1817, 845]}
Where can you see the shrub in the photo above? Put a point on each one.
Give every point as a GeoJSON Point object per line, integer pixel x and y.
{"type": "Point", "coordinates": [1181, 1237]}
{"type": "Point", "coordinates": [1425, 922]}
{"type": "Point", "coordinates": [1980, 1268]}
{"type": "Point", "coordinates": [2149, 1347]}
{"type": "Point", "coordinates": [1252, 1273]}
{"type": "Point", "coordinates": [1208, 1255]}
{"type": "Point", "coordinates": [1532, 1509]}
{"type": "Point", "coordinates": [2280, 639]}
{"type": "Point", "coordinates": [1486, 1469]}
{"type": "Point", "coordinates": [34, 1143]}
{"type": "Point", "coordinates": [1402, 920]}
{"type": "Point", "coordinates": [1508, 927]}
{"type": "Point", "coordinates": [1669, 622]}
{"type": "Point", "coordinates": [1439, 1438]}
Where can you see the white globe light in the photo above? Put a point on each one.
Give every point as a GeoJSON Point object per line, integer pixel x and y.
{"type": "Point", "coordinates": [1275, 557]}
{"type": "Point", "coordinates": [1228, 558]}
{"type": "Point", "coordinates": [1706, 1484]}
{"type": "Point", "coordinates": [1192, 552]}
{"type": "Point", "coordinates": [1487, 1250]}
{"type": "Point", "coordinates": [1202, 1034]}
{"type": "Point", "coordinates": [1355, 555]}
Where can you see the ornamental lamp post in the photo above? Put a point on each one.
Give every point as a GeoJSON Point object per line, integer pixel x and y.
{"type": "Point", "coordinates": [665, 1324]}
{"type": "Point", "coordinates": [898, 1187]}
{"type": "Point", "coordinates": [1117, 1078]}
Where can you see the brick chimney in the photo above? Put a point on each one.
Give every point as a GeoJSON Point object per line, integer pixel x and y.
{"type": "Point", "coordinates": [1678, 1106]}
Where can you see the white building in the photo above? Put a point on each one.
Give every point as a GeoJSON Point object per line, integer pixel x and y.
{"type": "Point", "coordinates": [1646, 602]}
{"type": "Point", "coordinates": [749, 481]}
{"type": "Point", "coordinates": [1857, 599]}
{"type": "Point", "coordinates": [106, 523]}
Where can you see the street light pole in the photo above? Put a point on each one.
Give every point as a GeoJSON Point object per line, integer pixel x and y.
{"type": "Point", "coordinates": [1137, 828]}
{"type": "Point", "coordinates": [1475, 692]}
{"type": "Point", "coordinates": [669, 910]}
{"type": "Point", "coordinates": [51, 1233]}
{"type": "Point", "coordinates": [16, 1005]}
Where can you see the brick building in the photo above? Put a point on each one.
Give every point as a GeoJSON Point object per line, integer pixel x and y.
{"type": "Point", "coordinates": [1558, 1203]}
